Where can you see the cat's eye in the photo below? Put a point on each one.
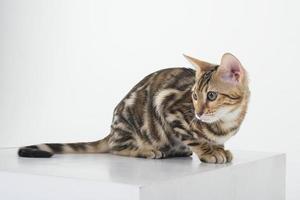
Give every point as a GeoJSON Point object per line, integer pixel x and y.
{"type": "Point", "coordinates": [194, 96]}
{"type": "Point", "coordinates": [211, 96]}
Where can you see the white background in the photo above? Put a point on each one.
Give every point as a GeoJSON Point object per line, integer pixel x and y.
{"type": "Point", "coordinates": [64, 65]}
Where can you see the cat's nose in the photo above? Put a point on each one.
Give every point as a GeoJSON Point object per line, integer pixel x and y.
{"type": "Point", "coordinates": [201, 110]}
{"type": "Point", "coordinates": [199, 114]}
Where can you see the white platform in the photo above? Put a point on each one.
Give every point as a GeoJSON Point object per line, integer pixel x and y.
{"type": "Point", "coordinates": [251, 176]}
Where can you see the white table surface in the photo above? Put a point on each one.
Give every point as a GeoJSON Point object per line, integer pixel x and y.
{"type": "Point", "coordinates": [111, 168]}
{"type": "Point", "coordinates": [116, 177]}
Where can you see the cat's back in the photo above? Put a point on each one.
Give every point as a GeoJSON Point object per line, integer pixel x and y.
{"type": "Point", "coordinates": [145, 91]}
{"type": "Point", "coordinates": [173, 78]}
{"type": "Point", "coordinates": [169, 78]}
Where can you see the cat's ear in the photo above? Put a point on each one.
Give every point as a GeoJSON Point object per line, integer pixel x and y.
{"type": "Point", "coordinates": [199, 65]}
{"type": "Point", "coordinates": [231, 69]}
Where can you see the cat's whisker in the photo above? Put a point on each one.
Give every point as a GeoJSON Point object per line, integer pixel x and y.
{"type": "Point", "coordinates": [194, 120]}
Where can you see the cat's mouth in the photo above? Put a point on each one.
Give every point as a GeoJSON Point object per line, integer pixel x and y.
{"type": "Point", "coordinates": [207, 118]}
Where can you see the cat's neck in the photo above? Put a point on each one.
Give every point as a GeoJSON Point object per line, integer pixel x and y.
{"type": "Point", "coordinates": [220, 131]}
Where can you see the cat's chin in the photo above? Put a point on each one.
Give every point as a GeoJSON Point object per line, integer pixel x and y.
{"type": "Point", "coordinates": [207, 119]}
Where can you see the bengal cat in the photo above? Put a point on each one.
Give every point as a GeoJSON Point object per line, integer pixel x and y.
{"type": "Point", "coordinates": [172, 112]}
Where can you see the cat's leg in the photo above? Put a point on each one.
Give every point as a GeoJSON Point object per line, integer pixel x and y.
{"type": "Point", "coordinates": [205, 150]}
{"type": "Point", "coordinates": [126, 143]}
{"type": "Point", "coordinates": [210, 153]}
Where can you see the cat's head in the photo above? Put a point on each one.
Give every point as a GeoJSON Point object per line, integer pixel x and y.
{"type": "Point", "coordinates": [220, 91]}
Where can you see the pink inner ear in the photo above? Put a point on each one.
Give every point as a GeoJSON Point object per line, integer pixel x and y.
{"type": "Point", "coordinates": [231, 69]}
{"type": "Point", "coordinates": [235, 73]}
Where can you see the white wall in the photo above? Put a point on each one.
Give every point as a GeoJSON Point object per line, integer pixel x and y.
{"type": "Point", "coordinates": [64, 65]}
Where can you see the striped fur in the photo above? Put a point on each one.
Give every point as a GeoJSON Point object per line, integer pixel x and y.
{"type": "Point", "coordinates": [168, 114]}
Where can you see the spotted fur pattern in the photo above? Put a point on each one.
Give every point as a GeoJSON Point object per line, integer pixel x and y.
{"type": "Point", "coordinates": [167, 114]}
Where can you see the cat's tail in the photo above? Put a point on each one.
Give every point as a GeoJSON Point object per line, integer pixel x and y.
{"type": "Point", "coordinates": [49, 149]}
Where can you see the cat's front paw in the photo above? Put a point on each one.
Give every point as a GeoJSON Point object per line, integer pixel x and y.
{"type": "Point", "coordinates": [218, 156]}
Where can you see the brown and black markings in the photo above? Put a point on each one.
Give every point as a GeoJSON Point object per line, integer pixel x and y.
{"type": "Point", "coordinates": [168, 114]}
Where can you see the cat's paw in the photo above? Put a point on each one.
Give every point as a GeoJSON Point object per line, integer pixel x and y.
{"type": "Point", "coordinates": [153, 154]}
{"type": "Point", "coordinates": [218, 156]}
{"type": "Point", "coordinates": [228, 155]}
